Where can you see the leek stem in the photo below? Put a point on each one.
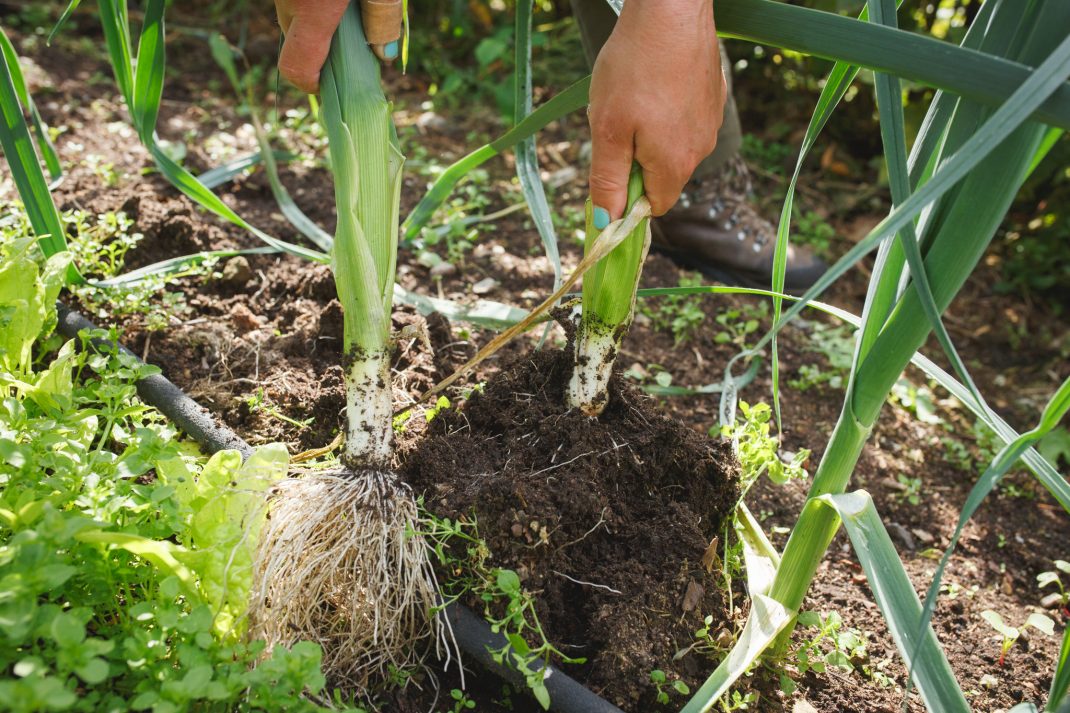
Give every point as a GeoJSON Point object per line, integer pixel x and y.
{"type": "Point", "coordinates": [608, 308]}
{"type": "Point", "coordinates": [366, 164]}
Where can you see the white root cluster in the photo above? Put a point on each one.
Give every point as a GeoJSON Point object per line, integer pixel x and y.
{"type": "Point", "coordinates": [339, 563]}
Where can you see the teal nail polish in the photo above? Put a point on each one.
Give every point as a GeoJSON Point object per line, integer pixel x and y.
{"type": "Point", "coordinates": [600, 218]}
{"type": "Point", "coordinates": [391, 50]}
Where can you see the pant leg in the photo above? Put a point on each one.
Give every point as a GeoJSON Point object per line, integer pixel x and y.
{"type": "Point", "coordinates": [596, 21]}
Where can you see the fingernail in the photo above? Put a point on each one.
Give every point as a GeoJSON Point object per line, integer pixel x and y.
{"type": "Point", "coordinates": [391, 50]}
{"type": "Point", "coordinates": [600, 218]}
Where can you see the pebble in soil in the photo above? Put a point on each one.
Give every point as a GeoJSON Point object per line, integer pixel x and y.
{"type": "Point", "coordinates": [606, 520]}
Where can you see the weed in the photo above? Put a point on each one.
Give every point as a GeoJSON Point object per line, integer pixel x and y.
{"type": "Point", "coordinates": [771, 156]}
{"type": "Point", "coordinates": [680, 314]}
{"type": "Point", "coordinates": [832, 645]}
{"type": "Point", "coordinates": [104, 170]}
{"type": "Point", "coordinates": [1046, 579]}
{"type": "Point", "coordinates": [836, 342]}
{"type": "Point", "coordinates": [665, 687]}
{"type": "Point", "coordinates": [96, 501]}
{"type": "Point", "coordinates": [911, 492]}
{"type": "Point", "coordinates": [259, 401]}
{"type": "Point", "coordinates": [758, 451]}
{"type": "Point", "coordinates": [461, 701]}
{"type": "Point", "coordinates": [1010, 634]}
{"type": "Point", "coordinates": [509, 608]}
{"type": "Point", "coordinates": [737, 701]}
{"type": "Point", "coordinates": [917, 400]}
{"type": "Point", "coordinates": [811, 229]}
{"type": "Point", "coordinates": [738, 324]}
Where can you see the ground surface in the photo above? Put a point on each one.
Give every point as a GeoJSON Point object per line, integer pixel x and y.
{"type": "Point", "coordinates": [258, 344]}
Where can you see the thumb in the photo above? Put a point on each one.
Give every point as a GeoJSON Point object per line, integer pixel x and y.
{"type": "Point", "coordinates": [611, 165]}
{"type": "Point", "coordinates": [382, 26]}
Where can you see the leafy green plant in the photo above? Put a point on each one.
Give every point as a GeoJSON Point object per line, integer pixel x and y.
{"type": "Point", "coordinates": [1046, 579]}
{"type": "Point", "coordinates": [461, 701]}
{"type": "Point", "coordinates": [911, 488]}
{"type": "Point", "coordinates": [1010, 634]}
{"type": "Point", "coordinates": [813, 230]}
{"type": "Point", "coordinates": [664, 687]}
{"type": "Point", "coordinates": [836, 342]}
{"type": "Point", "coordinates": [510, 609]}
{"type": "Point", "coordinates": [759, 451]}
{"type": "Point", "coordinates": [738, 324]}
{"type": "Point", "coordinates": [682, 315]}
{"type": "Point", "coordinates": [124, 563]}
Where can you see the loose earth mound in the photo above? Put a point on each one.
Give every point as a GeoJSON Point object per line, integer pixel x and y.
{"type": "Point", "coordinates": [607, 521]}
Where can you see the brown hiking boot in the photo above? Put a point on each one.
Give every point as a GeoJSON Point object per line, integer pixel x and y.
{"type": "Point", "coordinates": [714, 229]}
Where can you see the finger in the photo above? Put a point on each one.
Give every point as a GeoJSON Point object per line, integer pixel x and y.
{"type": "Point", "coordinates": [664, 177]}
{"type": "Point", "coordinates": [382, 26]}
{"type": "Point", "coordinates": [307, 43]}
{"type": "Point", "coordinates": [611, 163]}
{"type": "Point", "coordinates": [386, 53]}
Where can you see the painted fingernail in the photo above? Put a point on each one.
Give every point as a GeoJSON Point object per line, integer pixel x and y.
{"type": "Point", "coordinates": [600, 218]}
{"type": "Point", "coordinates": [391, 50]}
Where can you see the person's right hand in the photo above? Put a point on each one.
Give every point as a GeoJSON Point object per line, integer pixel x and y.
{"type": "Point", "coordinates": [657, 97]}
{"type": "Point", "coordinates": [310, 24]}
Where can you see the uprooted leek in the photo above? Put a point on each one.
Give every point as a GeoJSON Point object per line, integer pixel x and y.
{"type": "Point", "coordinates": [366, 164]}
{"type": "Point", "coordinates": [338, 561]}
{"type": "Point", "coordinates": [608, 308]}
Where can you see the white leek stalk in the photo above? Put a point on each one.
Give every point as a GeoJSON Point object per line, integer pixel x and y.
{"type": "Point", "coordinates": [366, 164]}
{"type": "Point", "coordinates": [608, 308]}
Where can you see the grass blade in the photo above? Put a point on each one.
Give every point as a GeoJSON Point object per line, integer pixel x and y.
{"type": "Point", "coordinates": [837, 82]}
{"type": "Point", "coordinates": [1057, 407]}
{"type": "Point", "coordinates": [897, 601]}
{"type": "Point", "coordinates": [563, 103]}
{"type": "Point", "coordinates": [67, 12]}
{"type": "Point", "coordinates": [767, 619]}
{"type": "Point", "coordinates": [893, 137]}
{"type": "Point", "coordinates": [963, 71]}
{"type": "Point", "coordinates": [1060, 682]}
{"type": "Point", "coordinates": [224, 173]}
{"type": "Point", "coordinates": [142, 89]}
{"type": "Point", "coordinates": [1005, 120]}
{"type": "Point", "coordinates": [27, 174]}
{"type": "Point", "coordinates": [223, 54]}
{"type": "Point", "coordinates": [527, 160]}
{"type": "Point", "coordinates": [44, 142]}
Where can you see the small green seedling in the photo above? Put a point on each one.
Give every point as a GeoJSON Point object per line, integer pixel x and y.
{"type": "Point", "coordinates": [461, 702]}
{"type": "Point", "coordinates": [663, 686]}
{"type": "Point", "coordinates": [1045, 579]}
{"type": "Point", "coordinates": [758, 450]}
{"type": "Point", "coordinates": [1010, 634]}
{"type": "Point", "coordinates": [911, 489]}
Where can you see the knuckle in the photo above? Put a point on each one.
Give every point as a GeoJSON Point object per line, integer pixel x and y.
{"type": "Point", "coordinates": [605, 183]}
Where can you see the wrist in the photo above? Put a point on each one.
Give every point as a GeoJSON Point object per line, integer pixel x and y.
{"type": "Point", "coordinates": [667, 17]}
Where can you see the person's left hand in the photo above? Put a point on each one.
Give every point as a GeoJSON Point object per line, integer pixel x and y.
{"type": "Point", "coordinates": [309, 26]}
{"type": "Point", "coordinates": [657, 96]}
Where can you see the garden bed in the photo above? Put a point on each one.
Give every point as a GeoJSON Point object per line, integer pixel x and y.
{"type": "Point", "coordinates": [258, 344]}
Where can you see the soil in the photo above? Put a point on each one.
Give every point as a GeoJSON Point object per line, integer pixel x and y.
{"type": "Point", "coordinates": [608, 519]}
{"type": "Point", "coordinates": [257, 342]}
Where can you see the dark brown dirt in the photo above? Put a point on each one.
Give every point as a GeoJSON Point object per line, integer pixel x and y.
{"type": "Point", "coordinates": [607, 519]}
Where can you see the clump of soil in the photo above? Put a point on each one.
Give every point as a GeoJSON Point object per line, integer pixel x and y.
{"type": "Point", "coordinates": [607, 521]}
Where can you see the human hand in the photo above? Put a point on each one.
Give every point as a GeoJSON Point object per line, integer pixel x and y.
{"type": "Point", "coordinates": [310, 24]}
{"type": "Point", "coordinates": [657, 97]}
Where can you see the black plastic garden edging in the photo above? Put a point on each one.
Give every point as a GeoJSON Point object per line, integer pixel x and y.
{"type": "Point", "coordinates": [472, 632]}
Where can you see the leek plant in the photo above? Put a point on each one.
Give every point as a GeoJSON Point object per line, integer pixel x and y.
{"type": "Point", "coordinates": [338, 561]}
{"type": "Point", "coordinates": [949, 196]}
{"type": "Point", "coordinates": [608, 307]}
